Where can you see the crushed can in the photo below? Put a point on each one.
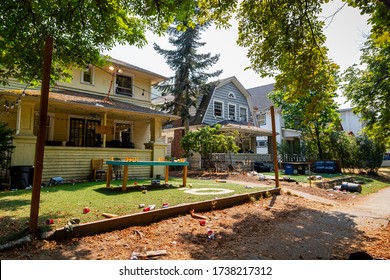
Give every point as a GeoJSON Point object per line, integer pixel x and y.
{"type": "Point", "coordinates": [210, 234]}
{"type": "Point", "coordinates": [49, 222]}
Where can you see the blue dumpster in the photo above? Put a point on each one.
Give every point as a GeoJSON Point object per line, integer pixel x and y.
{"type": "Point", "coordinates": [288, 169]}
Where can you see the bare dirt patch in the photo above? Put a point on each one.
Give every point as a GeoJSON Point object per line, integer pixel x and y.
{"type": "Point", "coordinates": [287, 226]}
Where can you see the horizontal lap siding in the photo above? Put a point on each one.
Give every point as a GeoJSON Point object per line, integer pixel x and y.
{"type": "Point", "coordinates": [75, 162]}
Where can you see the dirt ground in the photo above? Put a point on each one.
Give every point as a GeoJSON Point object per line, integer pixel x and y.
{"type": "Point", "coordinates": [302, 223]}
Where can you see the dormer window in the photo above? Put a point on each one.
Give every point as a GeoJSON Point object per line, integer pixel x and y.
{"type": "Point", "coordinates": [232, 112]}
{"type": "Point", "coordinates": [231, 95]}
{"type": "Point", "coordinates": [87, 75]}
{"type": "Point", "coordinates": [124, 85]}
{"type": "Point", "coordinates": [218, 109]}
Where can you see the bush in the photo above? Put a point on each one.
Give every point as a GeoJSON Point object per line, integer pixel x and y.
{"type": "Point", "coordinates": [6, 148]}
{"type": "Point", "coordinates": [370, 153]}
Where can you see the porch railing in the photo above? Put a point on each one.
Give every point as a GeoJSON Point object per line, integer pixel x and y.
{"type": "Point", "coordinates": [241, 162]}
{"type": "Point", "coordinates": [75, 162]}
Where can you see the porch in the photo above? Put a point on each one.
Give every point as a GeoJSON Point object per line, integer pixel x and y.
{"type": "Point", "coordinates": [75, 162]}
{"type": "Point", "coordinates": [80, 128]}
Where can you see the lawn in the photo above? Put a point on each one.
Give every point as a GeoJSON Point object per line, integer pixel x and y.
{"type": "Point", "coordinates": [64, 202]}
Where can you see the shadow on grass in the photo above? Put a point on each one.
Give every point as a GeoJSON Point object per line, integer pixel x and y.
{"type": "Point", "coordinates": [13, 205]}
{"type": "Point", "coordinates": [133, 189]}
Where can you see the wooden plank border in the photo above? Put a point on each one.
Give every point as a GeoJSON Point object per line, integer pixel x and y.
{"type": "Point", "coordinates": [145, 218]}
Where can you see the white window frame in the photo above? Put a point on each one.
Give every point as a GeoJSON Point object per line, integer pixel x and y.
{"type": "Point", "coordinates": [132, 85]}
{"type": "Point", "coordinates": [231, 95]}
{"type": "Point", "coordinates": [124, 122]}
{"type": "Point", "coordinates": [222, 109]}
{"type": "Point", "coordinates": [235, 111]}
{"type": "Point", "coordinates": [49, 129]}
{"type": "Point", "coordinates": [246, 111]}
{"type": "Point", "coordinates": [264, 142]}
{"type": "Point", "coordinates": [264, 117]}
{"type": "Point", "coordinates": [92, 73]}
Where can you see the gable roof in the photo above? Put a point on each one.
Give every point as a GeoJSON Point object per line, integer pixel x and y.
{"type": "Point", "coordinates": [155, 78]}
{"type": "Point", "coordinates": [205, 101]}
{"type": "Point", "coordinates": [259, 96]}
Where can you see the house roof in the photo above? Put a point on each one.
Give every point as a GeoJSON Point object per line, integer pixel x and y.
{"type": "Point", "coordinates": [205, 101]}
{"type": "Point", "coordinates": [228, 125]}
{"type": "Point", "coordinates": [156, 78]}
{"type": "Point", "coordinates": [68, 96]}
{"type": "Point", "coordinates": [259, 96]}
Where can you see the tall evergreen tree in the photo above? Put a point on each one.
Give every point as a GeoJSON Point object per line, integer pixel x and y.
{"type": "Point", "coordinates": [190, 79]}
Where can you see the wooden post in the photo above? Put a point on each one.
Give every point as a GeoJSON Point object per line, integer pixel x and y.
{"type": "Point", "coordinates": [40, 146]}
{"type": "Point", "coordinates": [109, 176]}
{"type": "Point", "coordinates": [166, 174]}
{"type": "Point", "coordinates": [185, 170]}
{"type": "Point", "coordinates": [125, 177]}
{"type": "Point", "coordinates": [275, 148]}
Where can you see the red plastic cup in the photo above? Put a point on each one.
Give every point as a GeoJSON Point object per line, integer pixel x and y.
{"type": "Point", "coordinates": [146, 209]}
{"type": "Point", "coordinates": [202, 222]}
{"type": "Point", "coordinates": [86, 210]}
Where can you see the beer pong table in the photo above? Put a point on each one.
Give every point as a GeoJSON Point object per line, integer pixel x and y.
{"type": "Point", "coordinates": [126, 165]}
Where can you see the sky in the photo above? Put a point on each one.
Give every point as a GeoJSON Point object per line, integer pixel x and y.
{"type": "Point", "coordinates": [345, 36]}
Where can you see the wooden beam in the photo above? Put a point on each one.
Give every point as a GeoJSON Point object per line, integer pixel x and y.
{"type": "Point", "coordinates": [274, 147]}
{"type": "Point", "coordinates": [40, 146]}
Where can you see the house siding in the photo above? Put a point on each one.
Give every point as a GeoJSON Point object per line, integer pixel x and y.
{"type": "Point", "coordinates": [222, 94]}
{"type": "Point", "coordinates": [75, 162]}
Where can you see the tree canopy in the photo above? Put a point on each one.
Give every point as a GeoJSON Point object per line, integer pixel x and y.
{"type": "Point", "coordinates": [368, 87]}
{"type": "Point", "coordinates": [83, 29]}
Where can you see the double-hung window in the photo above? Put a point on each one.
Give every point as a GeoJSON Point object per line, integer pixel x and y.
{"type": "Point", "coordinates": [87, 75]}
{"type": "Point", "coordinates": [232, 112]}
{"type": "Point", "coordinates": [262, 120]}
{"type": "Point", "coordinates": [124, 85]}
{"type": "Point", "coordinates": [218, 109]}
{"type": "Point", "coordinates": [243, 114]}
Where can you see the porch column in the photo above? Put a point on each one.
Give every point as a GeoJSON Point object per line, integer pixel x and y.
{"type": "Point", "coordinates": [24, 140]}
{"type": "Point", "coordinates": [158, 146]}
{"type": "Point", "coordinates": [104, 124]}
{"type": "Point", "coordinates": [155, 130]}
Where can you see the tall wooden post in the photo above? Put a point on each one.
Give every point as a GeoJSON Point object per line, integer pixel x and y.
{"type": "Point", "coordinates": [40, 146]}
{"type": "Point", "coordinates": [274, 147]}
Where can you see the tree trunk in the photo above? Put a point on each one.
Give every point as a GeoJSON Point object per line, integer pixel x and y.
{"type": "Point", "coordinates": [320, 153]}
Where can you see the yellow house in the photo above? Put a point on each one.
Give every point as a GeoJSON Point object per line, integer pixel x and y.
{"type": "Point", "coordinates": [104, 112]}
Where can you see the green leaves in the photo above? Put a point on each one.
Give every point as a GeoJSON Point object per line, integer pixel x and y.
{"type": "Point", "coordinates": [206, 141]}
{"type": "Point", "coordinates": [83, 29]}
{"type": "Point", "coordinates": [6, 136]}
{"type": "Point", "coordinates": [369, 88]}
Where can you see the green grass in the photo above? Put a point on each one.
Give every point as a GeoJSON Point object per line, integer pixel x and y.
{"type": "Point", "coordinates": [63, 202]}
